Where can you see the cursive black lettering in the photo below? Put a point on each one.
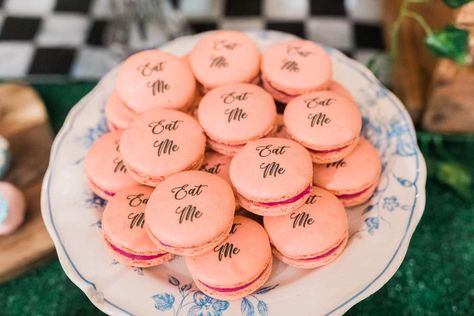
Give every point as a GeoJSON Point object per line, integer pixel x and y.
{"type": "Point", "coordinates": [218, 62]}
{"type": "Point", "coordinates": [301, 219]}
{"type": "Point", "coordinates": [271, 169]}
{"type": "Point", "coordinates": [184, 190]}
{"type": "Point", "coordinates": [230, 97]}
{"type": "Point", "coordinates": [165, 147]}
{"type": "Point", "coordinates": [226, 250]}
{"type": "Point", "coordinates": [188, 213]}
{"type": "Point", "coordinates": [119, 166]}
{"type": "Point", "coordinates": [317, 101]}
{"type": "Point", "coordinates": [137, 220]}
{"type": "Point", "coordinates": [336, 164]}
{"type": "Point", "coordinates": [214, 169]}
{"type": "Point", "coordinates": [318, 119]}
{"type": "Point", "coordinates": [225, 44]}
{"type": "Point", "coordinates": [290, 66]}
{"type": "Point", "coordinates": [297, 50]}
{"type": "Point", "coordinates": [148, 69]}
{"type": "Point", "coordinates": [162, 125]}
{"type": "Point", "coordinates": [267, 150]}
{"type": "Point", "coordinates": [135, 200]}
{"type": "Point", "coordinates": [312, 199]}
{"type": "Point", "coordinates": [233, 230]}
{"type": "Point", "coordinates": [235, 114]}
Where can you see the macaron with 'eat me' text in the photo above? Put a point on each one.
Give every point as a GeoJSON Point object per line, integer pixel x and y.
{"type": "Point", "coordinates": [311, 236]}
{"type": "Point", "coordinates": [294, 68]}
{"type": "Point", "coordinates": [218, 57]}
{"type": "Point", "coordinates": [238, 266]}
{"type": "Point", "coordinates": [324, 122]}
{"type": "Point", "coordinates": [160, 143]}
{"type": "Point", "coordinates": [123, 229]}
{"type": "Point", "coordinates": [155, 79]}
{"type": "Point", "coordinates": [272, 176]}
{"type": "Point", "coordinates": [234, 114]}
{"type": "Point", "coordinates": [104, 168]}
{"type": "Point", "coordinates": [190, 212]}
{"type": "Point", "coordinates": [354, 178]}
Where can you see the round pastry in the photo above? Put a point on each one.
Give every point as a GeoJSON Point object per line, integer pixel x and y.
{"type": "Point", "coordinates": [340, 89]}
{"type": "Point", "coordinates": [272, 176]}
{"type": "Point", "coordinates": [123, 229]}
{"type": "Point", "coordinates": [12, 208]}
{"type": "Point", "coordinates": [234, 114]}
{"type": "Point", "coordinates": [238, 266]}
{"type": "Point", "coordinates": [324, 122]}
{"type": "Point", "coordinates": [217, 164]}
{"type": "Point", "coordinates": [294, 68]}
{"type": "Point", "coordinates": [190, 212]}
{"type": "Point", "coordinates": [105, 171]}
{"type": "Point", "coordinates": [4, 156]}
{"type": "Point", "coordinates": [155, 79]}
{"type": "Point", "coordinates": [160, 143]}
{"type": "Point", "coordinates": [280, 130]}
{"type": "Point", "coordinates": [118, 115]}
{"type": "Point", "coordinates": [311, 236]}
{"type": "Point", "coordinates": [352, 179]}
{"type": "Point", "coordinates": [223, 57]}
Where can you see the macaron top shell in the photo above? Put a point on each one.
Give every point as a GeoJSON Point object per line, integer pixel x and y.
{"type": "Point", "coordinates": [297, 66]}
{"type": "Point", "coordinates": [317, 226]}
{"type": "Point", "coordinates": [218, 59]}
{"type": "Point", "coordinates": [358, 170]}
{"type": "Point", "coordinates": [124, 218]}
{"type": "Point", "coordinates": [236, 113]}
{"type": "Point", "coordinates": [249, 255]}
{"type": "Point", "coordinates": [322, 119]}
{"type": "Point", "coordinates": [117, 112]}
{"type": "Point", "coordinates": [153, 78]}
{"type": "Point", "coordinates": [190, 208]}
{"type": "Point", "coordinates": [218, 164]}
{"type": "Point", "coordinates": [271, 169]}
{"type": "Point", "coordinates": [162, 142]}
{"type": "Point", "coordinates": [104, 166]}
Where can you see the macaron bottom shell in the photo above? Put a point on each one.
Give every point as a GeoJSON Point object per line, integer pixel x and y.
{"type": "Point", "coordinates": [316, 260]}
{"type": "Point", "coordinates": [103, 194]}
{"type": "Point", "coordinates": [238, 291]}
{"type": "Point", "coordinates": [358, 197]}
{"type": "Point", "coordinates": [190, 251]}
{"type": "Point", "coordinates": [276, 208]}
{"type": "Point", "coordinates": [141, 260]}
{"type": "Point", "coordinates": [153, 181]}
{"type": "Point", "coordinates": [333, 155]}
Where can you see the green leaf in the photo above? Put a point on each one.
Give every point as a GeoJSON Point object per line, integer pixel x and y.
{"type": "Point", "coordinates": [449, 42]}
{"type": "Point", "coordinates": [455, 176]}
{"type": "Point", "coordinates": [456, 3]}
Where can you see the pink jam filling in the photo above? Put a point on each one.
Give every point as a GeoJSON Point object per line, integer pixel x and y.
{"type": "Point", "coordinates": [352, 195]}
{"type": "Point", "coordinates": [324, 255]}
{"type": "Point", "coordinates": [232, 289]}
{"type": "Point", "coordinates": [328, 151]}
{"type": "Point", "coordinates": [290, 200]}
{"type": "Point", "coordinates": [108, 193]}
{"type": "Point", "coordinates": [278, 90]}
{"type": "Point", "coordinates": [133, 256]}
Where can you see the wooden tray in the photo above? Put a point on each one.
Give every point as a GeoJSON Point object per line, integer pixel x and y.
{"type": "Point", "coordinates": [24, 122]}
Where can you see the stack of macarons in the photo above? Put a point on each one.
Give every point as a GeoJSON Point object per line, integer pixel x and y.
{"type": "Point", "coordinates": [194, 138]}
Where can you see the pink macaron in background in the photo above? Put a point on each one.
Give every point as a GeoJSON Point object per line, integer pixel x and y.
{"type": "Point", "coordinates": [12, 208]}
{"type": "Point", "coordinates": [272, 176]}
{"type": "Point", "coordinates": [311, 236]}
{"type": "Point", "coordinates": [218, 58]}
{"type": "Point", "coordinates": [218, 164]}
{"type": "Point", "coordinates": [340, 89]}
{"type": "Point", "coordinates": [324, 122]}
{"type": "Point", "coordinates": [352, 179]}
{"type": "Point", "coordinates": [238, 266]}
{"type": "Point", "coordinates": [155, 79]}
{"type": "Point", "coordinates": [118, 115]}
{"type": "Point", "coordinates": [190, 212]}
{"type": "Point", "coordinates": [123, 229]}
{"type": "Point", "coordinates": [160, 143]}
{"type": "Point", "coordinates": [293, 68]}
{"type": "Point", "coordinates": [104, 168]}
{"type": "Point", "coordinates": [234, 114]}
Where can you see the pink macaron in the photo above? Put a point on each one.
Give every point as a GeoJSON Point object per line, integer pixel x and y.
{"type": "Point", "coordinates": [272, 176]}
{"type": "Point", "coordinates": [352, 179]}
{"type": "Point", "coordinates": [105, 170]}
{"type": "Point", "coordinates": [160, 143]}
{"type": "Point", "coordinates": [340, 89]}
{"type": "Point", "coordinates": [238, 266]}
{"type": "Point", "coordinates": [294, 68]}
{"type": "Point", "coordinates": [12, 208]}
{"type": "Point", "coordinates": [223, 57]}
{"type": "Point", "coordinates": [155, 79]}
{"type": "Point", "coordinates": [218, 164]}
{"type": "Point", "coordinates": [123, 229]}
{"type": "Point", "coordinates": [324, 122]}
{"type": "Point", "coordinates": [311, 236]}
{"type": "Point", "coordinates": [118, 115]}
{"type": "Point", "coordinates": [234, 114]}
{"type": "Point", "coordinates": [190, 212]}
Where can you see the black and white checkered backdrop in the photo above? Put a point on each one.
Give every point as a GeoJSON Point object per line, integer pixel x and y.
{"type": "Point", "coordinates": [66, 37]}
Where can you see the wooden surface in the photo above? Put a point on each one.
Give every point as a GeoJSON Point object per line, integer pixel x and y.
{"type": "Point", "coordinates": [412, 69]}
{"type": "Point", "coordinates": [24, 122]}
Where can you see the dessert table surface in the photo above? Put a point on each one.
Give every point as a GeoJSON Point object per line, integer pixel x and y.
{"type": "Point", "coordinates": [436, 277]}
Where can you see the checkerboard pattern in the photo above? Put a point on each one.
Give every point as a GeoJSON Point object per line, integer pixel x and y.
{"type": "Point", "coordinates": [66, 37]}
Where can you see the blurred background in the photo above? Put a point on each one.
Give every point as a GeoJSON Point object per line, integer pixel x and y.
{"type": "Point", "coordinates": [53, 52]}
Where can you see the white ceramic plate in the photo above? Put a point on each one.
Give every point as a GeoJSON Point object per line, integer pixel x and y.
{"type": "Point", "coordinates": [380, 230]}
